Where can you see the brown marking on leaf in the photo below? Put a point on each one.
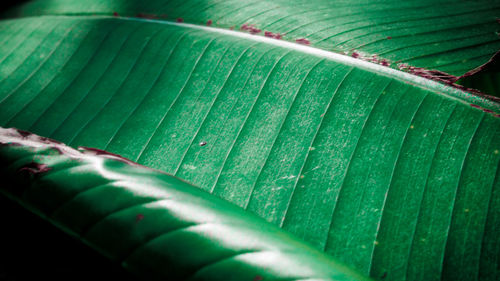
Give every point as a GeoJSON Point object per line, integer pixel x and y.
{"type": "Point", "coordinates": [139, 217]}
{"type": "Point", "coordinates": [495, 59]}
{"type": "Point", "coordinates": [273, 35]}
{"type": "Point", "coordinates": [402, 66]}
{"type": "Point", "coordinates": [15, 137]}
{"type": "Point", "coordinates": [254, 30]}
{"type": "Point", "coordinates": [209, 22]}
{"type": "Point", "coordinates": [147, 16]}
{"type": "Point", "coordinates": [258, 278]}
{"type": "Point", "coordinates": [489, 111]}
{"type": "Point", "coordinates": [451, 80]}
{"type": "Point", "coordinates": [432, 74]}
{"type": "Point", "coordinates": [303, 41]}
{"type": "Point", "coordinates": [100, 152]}
{"type": "Point", "coordinates": [14, 132]}
{"type": "Point", "coordinates": [34, 169]}
{"type": "Point", "coordinates": [385, 62]}
{"type": "Point", "coordinates": [180, 20]}
{"type": "Point", "coordinates": [24, 134]}
{"type": "Point", "coordinates": [250, 28]}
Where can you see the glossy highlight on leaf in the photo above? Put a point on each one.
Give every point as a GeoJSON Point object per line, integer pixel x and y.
{"type": "Point", "coordinates": [393, 174]}
{"type": "Point", "coordinates": [167, 228]}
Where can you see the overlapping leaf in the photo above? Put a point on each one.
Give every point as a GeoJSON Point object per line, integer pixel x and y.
{"type": "Point", "coordinates": [450, 36]}
{"type": "Point", "coordinates": [393, 175]}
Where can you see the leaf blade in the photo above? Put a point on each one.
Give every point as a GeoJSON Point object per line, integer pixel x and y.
{"type": "Point", "coordinates": [257, 112]}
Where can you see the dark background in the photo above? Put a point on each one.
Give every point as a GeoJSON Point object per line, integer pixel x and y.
{"type": "Point", "coordinates": [33, 249]}
{"type": "Point", "coordinates": [7, 4]}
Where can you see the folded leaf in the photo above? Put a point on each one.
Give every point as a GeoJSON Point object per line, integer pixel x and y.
{"type": "Point", "coordinates": [391, 173]}
{"type": "Point", "coordinates": [156, 225]}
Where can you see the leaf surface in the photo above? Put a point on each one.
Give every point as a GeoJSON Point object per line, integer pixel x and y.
{"type": "Point", "coordinates": [390, 173]}
{"type": "Point", "coordinates": [450, 36]}
{"type": "Point", "coordinates": [153, 224]}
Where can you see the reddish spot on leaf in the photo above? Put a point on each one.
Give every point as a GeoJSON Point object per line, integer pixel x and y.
{"type": "Point", "coordinates": [258, 278]}
{"type": "Point", "coordinates": [250, 28]}
{"type": "Point", "coordinates": [96, 151]}
{"type": "Point", "coordinates": [402, 66]}
{"type": "Point", "coordinates": [180, 20]}
{"type": "Point", "coordinates": [139, 217]}
{"type": "Point", "coordinates": [303, 41]}
{"type": "Point", "coordinates": [273, 35]}
{"type": "Point", "coordinates": [115, 14]}
{"type": "Point", "coordinates": [384, 62]}
{"type": "Point", "coordinates": [435, 75]}
{"type": "Point", "coordinates": [485, 110]}
{"type": "Point", "coordinates": [146, 16]}
{"type": "Point", "coordinates": [24, 134]}
{"type": "Point", "coordinates": [389, 37]}
{"type": "Point", "coordinates": [34, 168]}
{"type": "Point", "coordinates": [209, 22]}
{"type": "Point", "coordinates": [255, 31]}
{"type": "Point", "coordinates": [355, 55]}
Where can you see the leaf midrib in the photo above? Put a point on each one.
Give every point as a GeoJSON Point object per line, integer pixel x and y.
{"type": "Point", "coordinates": [421, 82]}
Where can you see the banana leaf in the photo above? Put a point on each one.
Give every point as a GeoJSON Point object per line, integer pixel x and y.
{"type": "Point", "coordinates": [391, 172]}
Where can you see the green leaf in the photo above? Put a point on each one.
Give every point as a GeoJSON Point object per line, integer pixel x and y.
{"type": "Point", "coordinates": [450, 36]}
{"type": "Point", "coordinates": [155, 225]}
{"type": "Point", "coordinates": [393, 174]}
